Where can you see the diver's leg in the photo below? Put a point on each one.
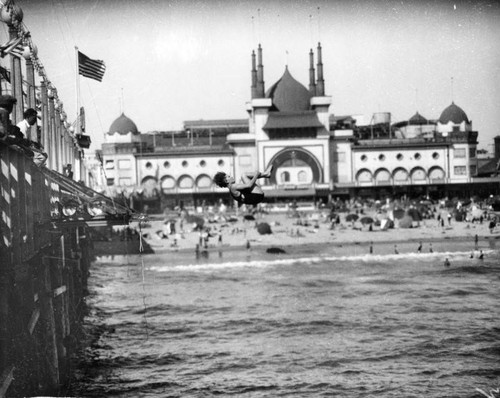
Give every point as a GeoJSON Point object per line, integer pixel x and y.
{"type": "Point", "coordinates": [266, 174]}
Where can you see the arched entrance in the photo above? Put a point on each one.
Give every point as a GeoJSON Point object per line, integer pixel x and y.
{"type": "Point", "coordinates": [295, 166]}
{"type": "Point", "coordinates": [150, 186]}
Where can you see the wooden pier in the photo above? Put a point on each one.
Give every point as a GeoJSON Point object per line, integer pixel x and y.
{"type": "Point", "coordinates": [45, 223]}
{"type": "Point", "coordinates": [45, 256]}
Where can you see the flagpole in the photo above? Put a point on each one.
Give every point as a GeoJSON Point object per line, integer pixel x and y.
{"type": "Point", "coordinates": [77, 93]}
{"type": "Point", "coordinates": [80, 167]}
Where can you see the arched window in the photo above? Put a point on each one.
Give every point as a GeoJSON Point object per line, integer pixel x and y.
{"type": "Point", "coordinates": [400, 175]}
{"type": "Point", "coordinates": [167, 183]}
{"type": "Point", "coordinates": [418, 175]}
{"type": "Point", "coordinates": [364, 176]}
{"type": "Point", "coordinates": [185, 182]}
{"type": "Point", "coordinates": [302, 176]}
{"type": "Point", "coordinates": [204, 181]}
{"type": "Point", "coordinates": [436, 174]}
{"type": "Point", "coordinates": [382, 176]}
{"type": "Point", "coordinates": [285, 176]}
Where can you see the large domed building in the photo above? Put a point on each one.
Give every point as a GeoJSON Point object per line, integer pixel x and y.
{"type": "Point", "coordinates": [315, 155]}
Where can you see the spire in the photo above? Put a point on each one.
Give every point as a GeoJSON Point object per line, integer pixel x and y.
{"type": "Point", "coordinates": [320, 83]}
{"type": "Point", "coordinates": [260, 74]}
{"type": "Point", "coordinates": [312, 85]}
{"type": "Point", "coordinates": [254, 77]}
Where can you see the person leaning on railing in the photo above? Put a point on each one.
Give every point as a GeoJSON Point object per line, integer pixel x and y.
{"type": "Point", "coordinates": [30, 116]}
{"type": "Point", "coordinates": [12, 135]}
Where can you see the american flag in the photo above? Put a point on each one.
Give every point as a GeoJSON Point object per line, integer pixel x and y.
{"type": "Point", "coordinates": [93, 69]}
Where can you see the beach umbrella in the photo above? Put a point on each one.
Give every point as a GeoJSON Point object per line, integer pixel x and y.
{"type": "Point", "coordinates": [264, 228]}
{"type": "Point", "coordinates": [196, 221]}
{"type": "Point", "coordinates": [366, 220]}
{"type": "Point", "coordinates": [398, 213]}
{"type": "Point", "coordinates": [414, 214]}
{"type": "Point", "coordinates": [386, 223]}
{"type": "Point", "coordinates": [351, 217]}
{"type": "Point", "coordinates": [406, 222]}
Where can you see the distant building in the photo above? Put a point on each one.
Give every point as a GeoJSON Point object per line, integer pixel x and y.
{"type": "Point", "coordinates": [316, 154]}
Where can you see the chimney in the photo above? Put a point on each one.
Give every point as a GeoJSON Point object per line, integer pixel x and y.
{"type": "Point", "coordinates": [497, 147]}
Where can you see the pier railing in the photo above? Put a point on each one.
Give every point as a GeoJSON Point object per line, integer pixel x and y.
{"type": "Point", "coordinates": [45, 254]}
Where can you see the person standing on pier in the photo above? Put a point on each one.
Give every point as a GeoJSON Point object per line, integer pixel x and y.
{"type": "Point", "coordinates": [30, 118]}
{"type": "Point", "coordinates": [10, 134]}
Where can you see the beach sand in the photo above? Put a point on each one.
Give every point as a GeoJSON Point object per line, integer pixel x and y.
{"type": "Point", "coordinates": [345, 239]}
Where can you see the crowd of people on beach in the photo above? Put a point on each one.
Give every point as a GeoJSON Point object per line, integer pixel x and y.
{"type": "Point", "coordinates": [212, 223]}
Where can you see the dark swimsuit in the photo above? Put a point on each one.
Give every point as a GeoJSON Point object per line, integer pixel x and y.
{"type": "Point", "coordinates": [249, 198]}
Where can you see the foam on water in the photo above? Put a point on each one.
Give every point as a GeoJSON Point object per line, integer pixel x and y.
{"type": "Point", "coordinates": [364, 258]}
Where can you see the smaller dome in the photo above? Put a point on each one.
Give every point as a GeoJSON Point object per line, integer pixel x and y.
{"type": "Point", "coordinates": [453, 113]}
{"type": "Point", "coordinates": [123, 125]}
{"type": "Point", "coordinates": [417, 119]}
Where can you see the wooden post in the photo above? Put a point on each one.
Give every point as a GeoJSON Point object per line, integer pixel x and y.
{"type": "Point", "coordinates": [31, 101]}
{"type": "Point", "coordinates": [45, 118]}
{"type": "Point", "coordinates": [59, 141]}
{"type": "Point", "coordinates": [52, 135]}
{"type": "Point", "coordinates": [16, 81]}
{"type": "Point", "coordinates": [47, 323]}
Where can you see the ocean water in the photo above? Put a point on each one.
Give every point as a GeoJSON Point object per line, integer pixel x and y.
{"type": "Point", "coordinates": [252, 324]}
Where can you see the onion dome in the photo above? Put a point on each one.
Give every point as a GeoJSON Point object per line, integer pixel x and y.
{"type": "Point", "coordinates": [417, 119]}
{"type": "Point", "coordinates": [288, 95]}
{"type": "Point", "coordinates": [453, 113]}
{"type": "Point", "coordinates": [123, 125]}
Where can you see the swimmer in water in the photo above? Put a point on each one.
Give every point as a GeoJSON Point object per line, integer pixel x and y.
{"type": "Point", "coordinates": [248, 191]}
{"type": "Point", "coordinates": [481, 255]}
{"type": "Point", "coordinates": [447, 262]}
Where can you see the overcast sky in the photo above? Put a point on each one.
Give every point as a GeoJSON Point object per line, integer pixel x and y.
{"type": "Point", "coordinates": [173, 61]}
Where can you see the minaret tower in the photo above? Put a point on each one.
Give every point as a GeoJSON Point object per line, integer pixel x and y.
{"type": "Point", "coordinates": [312, 84]}
{"type": "Point", "coordinates": [254, 77]}
{"type": "Point", "coordinates": [320, 102]}
{"type": "Point", "coordinates": [320, 83]}
{"type": "Point", "coordinates": [260, 74]}
{"type": "Point", "coordinates": [259, 105]}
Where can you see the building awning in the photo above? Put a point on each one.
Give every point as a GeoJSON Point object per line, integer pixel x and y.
{"type": "Point", "coordinates": [295, 120]}
{"type": "Point", "coordinates": [487, 167]}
